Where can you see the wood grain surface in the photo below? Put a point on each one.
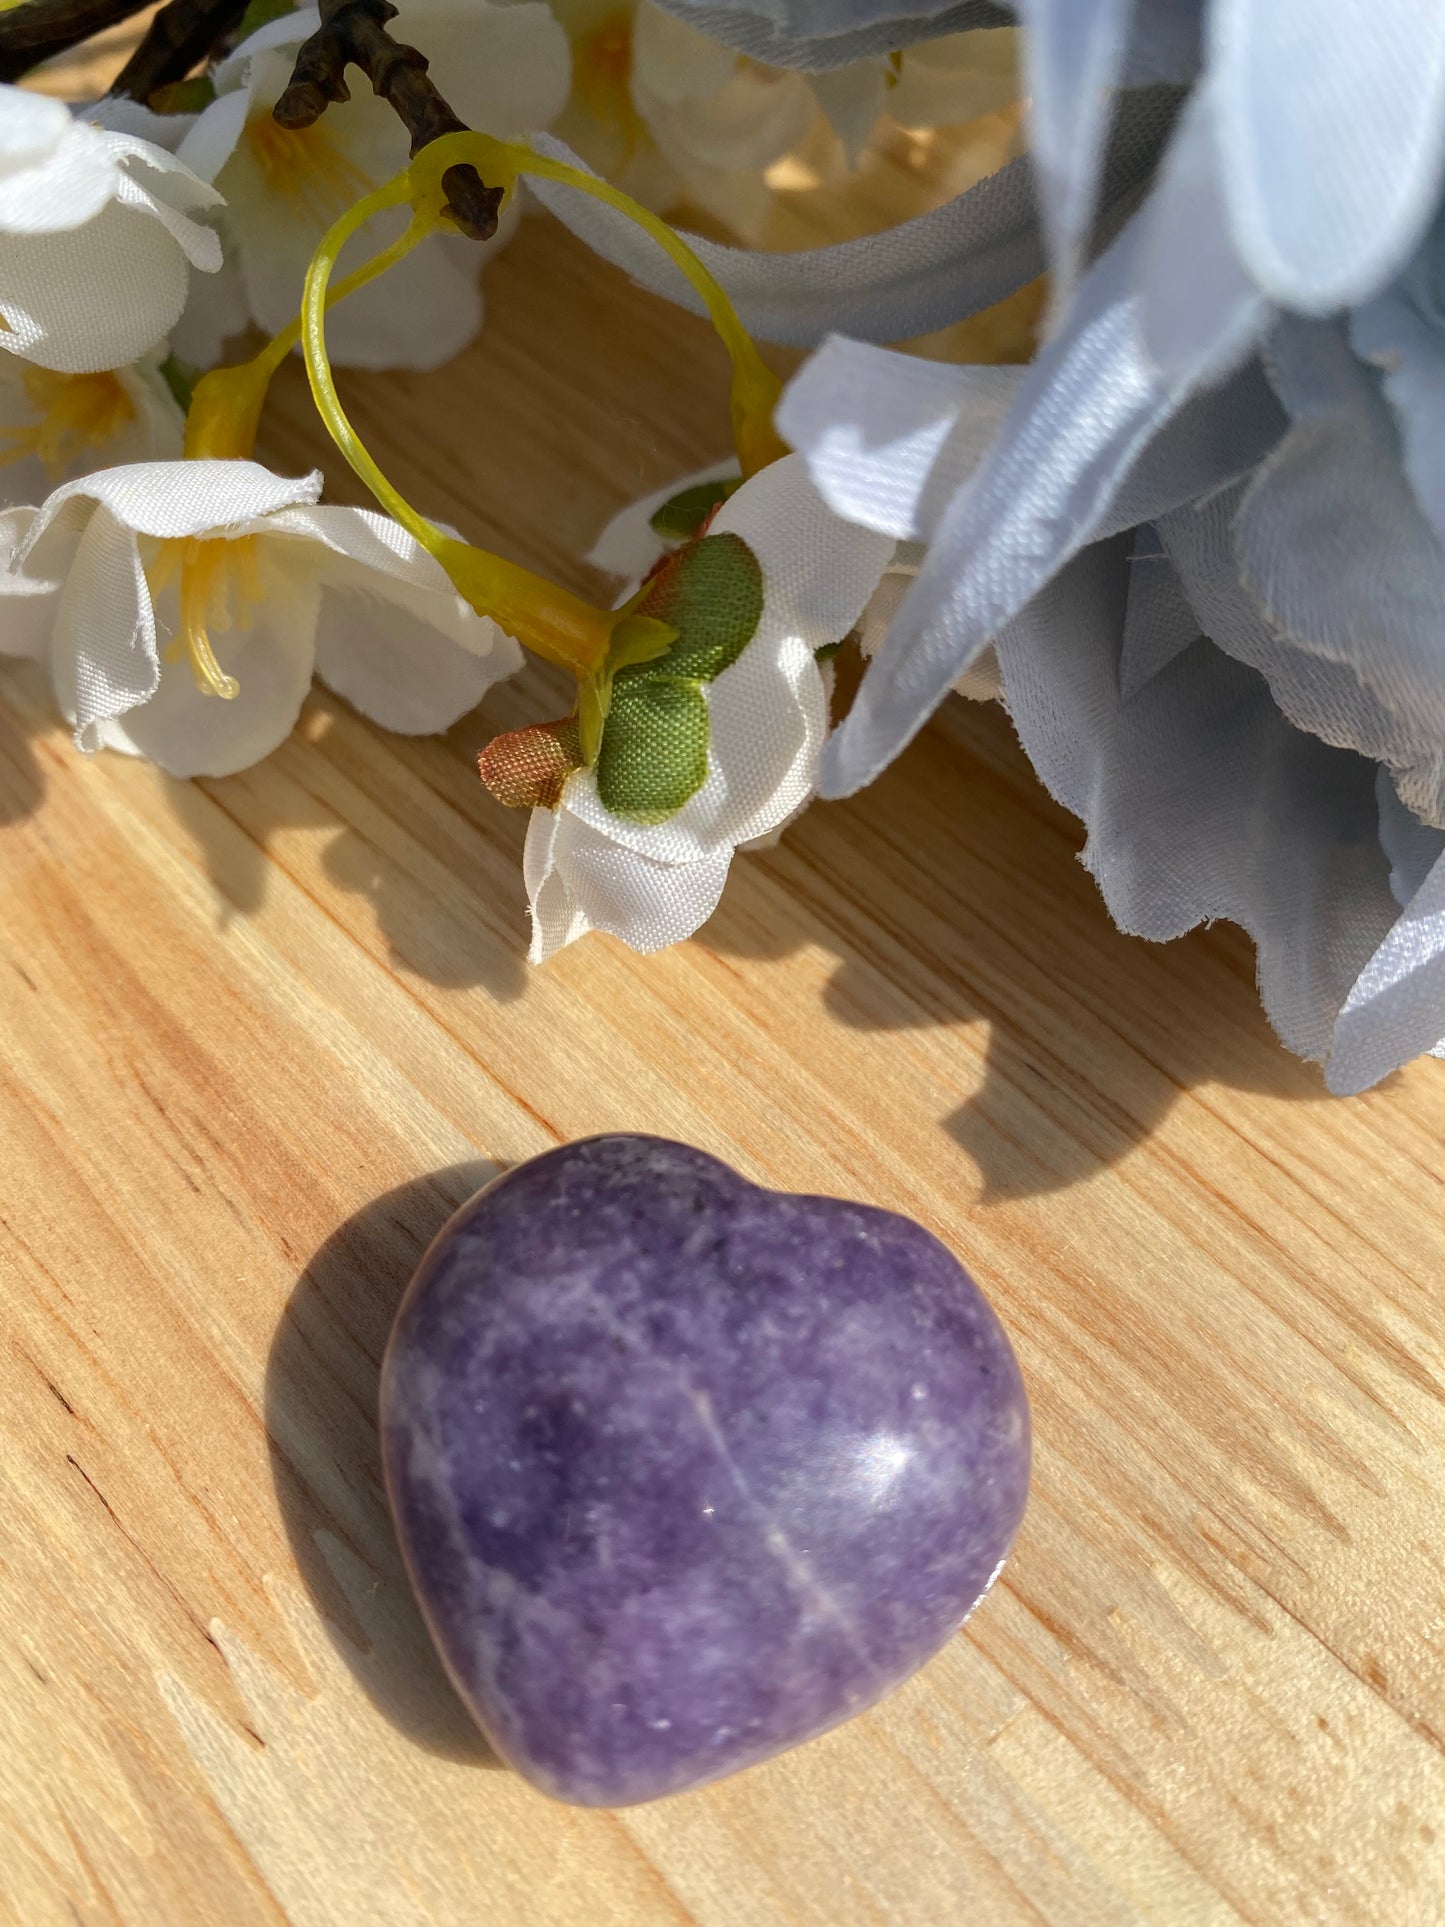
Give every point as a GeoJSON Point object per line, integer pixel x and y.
{"type": "Point", "coordinates": [261, 1035]}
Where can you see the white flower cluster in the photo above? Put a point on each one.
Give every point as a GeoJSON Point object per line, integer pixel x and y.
{"type": "Point", "coordinates": [135, 243]}
{"type": "Point", "coordinates": [182, 602]}
{"type": "Point", "coordinates": [132, 244]}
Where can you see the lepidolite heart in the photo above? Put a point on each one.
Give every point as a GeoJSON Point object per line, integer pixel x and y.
{"type": "Point", "coordinates": [686, 1471]}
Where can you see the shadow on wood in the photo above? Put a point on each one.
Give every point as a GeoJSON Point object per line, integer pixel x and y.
{"type": "Point", "coordinates": [412, 832]}
{"type": "Point", "coordinates": [321, 1392]}
{"type": "Point", "coordinates": [951, 893]}
{"type": "Point", "coordinates": [23, 701]}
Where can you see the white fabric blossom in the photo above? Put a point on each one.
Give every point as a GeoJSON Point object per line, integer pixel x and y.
{"type": "Point", "coordinates": [154, 589]}
{"type": "Point", "coordinates": [97, 238]}
{"type": "Point", "coordinates": [654, 884]}
{"type": "Point", "coordinates": [506, 71]}
{"type": "Point", "coordinates": [673, 115]}
{"type": "Point", "coordinates": [53, 426]}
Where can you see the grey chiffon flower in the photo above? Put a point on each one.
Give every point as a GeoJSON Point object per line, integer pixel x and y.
{"type": "Point", "coordinates": [1207, 537]}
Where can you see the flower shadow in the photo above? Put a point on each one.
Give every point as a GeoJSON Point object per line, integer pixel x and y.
{"type": "Point", "coordinates": [951, 894]}
{"type": "Point", "coordinates": [402, 822]}
{"type": "Point", "coordinates": [321, 1424]}
{"type": "Point", "coordinates": [25, 711]}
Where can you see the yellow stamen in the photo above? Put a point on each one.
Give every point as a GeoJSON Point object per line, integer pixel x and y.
{"type": "Point", "coordinates": [304, 169]}
{"type": "Point", "coordinates": [219, 586]}
{"type": "Point", "coordinates": [73, 413]}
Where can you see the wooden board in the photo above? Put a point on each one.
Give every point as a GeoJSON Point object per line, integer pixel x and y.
{"type": "Point", "coordinates": [261, 1035]}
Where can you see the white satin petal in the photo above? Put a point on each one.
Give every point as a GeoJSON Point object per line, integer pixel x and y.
{"type": "Point", "coordinates": [579, 880]}
{"type": "Point", "coordinates": [270, 657]}
{"type": "Point", "coordinates": [182, 498]}
{"type": "Point", "coordinates": [1332, 139]}
{"type": "Point", "coordinates": [104, 659]}
{"type": "Point", "coordinates": [27, 603]}
{"type": "Point", "coordinates": [889, 438]}
{"type": "Point", "coordinates": [48, 286]}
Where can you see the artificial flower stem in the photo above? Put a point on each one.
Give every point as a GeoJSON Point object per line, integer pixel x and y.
{"type": "Point", "coordinates": [226, 404]}
{"type": "Point", "coordinates": [549, 621]}
{"type": "Point", "coordinates": [755, 388]}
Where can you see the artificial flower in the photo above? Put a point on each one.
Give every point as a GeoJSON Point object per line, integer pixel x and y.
{"type": "Point", "coordinates": [692, 766]}
{"type": "Point", "coordinates": [1127, 637]}
{"type": "Point", "coordinates": [97, 238]}
{"type": "Point", "coordinates": [674, 116]}
{"type": "Point", "coordinates": [184, 606]}
{"type": "Point", "coordinates": [506, 73]}
{"type": "Point", "coordinates": [1246, 383]}
{"type": "Point", "coordinates": [53, 426]}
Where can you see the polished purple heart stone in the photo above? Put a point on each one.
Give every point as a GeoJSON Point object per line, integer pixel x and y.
{"type": "Point", "coordinates": [686, 1471]}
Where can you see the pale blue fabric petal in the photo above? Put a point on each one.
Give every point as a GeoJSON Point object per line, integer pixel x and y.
{"type": "Point", "coordinates": [1332, 139]}
{"type": "Point", "coordinates": [1200, 800]}
{"type": "Point", "coordinates": [1412, 847]}
{"type": "Point", "coordinates": [1086, 413]}
{"type": "Point", "coordinates": [889, 437]}
{"type": "Point", "coordinates": [1200, 306]}
{"type": "Point", "coordinates": [1073, 56]}
{"type": "Point", "coordinates": [1218, 433]}
{"type": "Point", "coordinates": [1334, 549]}
{"type": "Point", "coordinates": [909, 280]}
{"type": "Point", "coordinates": [1396, 1011]}
{"type": "Point", "coordinates": [1402, 331]}
{"type": "Point", "coordinates": [1325, 697]}
{"type": "Point", "coordinates": [800, 33]}
{"type": "Point", "coordinates": [1159, 622]}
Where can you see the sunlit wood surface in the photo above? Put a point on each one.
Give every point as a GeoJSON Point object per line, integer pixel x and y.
{"type": "Point", "coordinates": [261, 1035]}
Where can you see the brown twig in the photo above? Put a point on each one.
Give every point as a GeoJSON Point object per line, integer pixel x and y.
{"type": "Point", "coordinates": [353, 34]}
{"type": "Point", "coordinates": [181, 34]}
{"type": "Point", "coordinates": [41, 28]}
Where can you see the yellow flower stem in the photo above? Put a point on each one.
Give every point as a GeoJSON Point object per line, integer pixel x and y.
{"type": "Point", "coordinates": [755, 388]}
{"type": "Point", "coordinates": [551, 622]}
{"type": "Point", "coordinates": [226, 404]}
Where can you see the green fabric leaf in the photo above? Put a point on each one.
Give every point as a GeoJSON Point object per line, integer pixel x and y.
{"type": "Point", "coordinates": [683, 514]}
{"type": "Point", "coordinates": [654, 748]}
{"type": "Point", "coordinates": [654, 715]}
{"type": "Point", "coordinates": [712, 594]}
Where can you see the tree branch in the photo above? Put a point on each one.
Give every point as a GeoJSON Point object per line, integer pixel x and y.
{"type": "Point", "coordinates": [353, 33]}
{"type": "Point", "coordinates": [181, 34]}
{"type": "Point", "coordinates": [39, 29]}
